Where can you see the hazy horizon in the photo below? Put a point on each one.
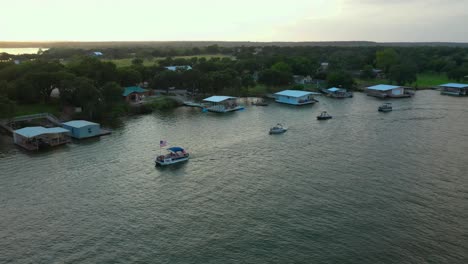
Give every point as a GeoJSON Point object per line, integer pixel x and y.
{"type": "Point", "coordinates": [242, 20]}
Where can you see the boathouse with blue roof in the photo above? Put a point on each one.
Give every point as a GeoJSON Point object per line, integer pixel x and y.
{"type": "Point", "coordinates": [456, 89]}
{"type": "Point", "coordinates": [222, 104]}
{"type": "Point", "coordinates": [295, 97]}
{"type": "Point", "coordinates": [82, 129]}
{"type": "Point", "coordinates": [387, 91]}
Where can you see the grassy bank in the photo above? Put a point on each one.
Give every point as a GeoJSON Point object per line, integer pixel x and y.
{"type": "Point", "coordinates": [428, 80]}
{"type": "Point", "coordinates": [149, 62]}
{"type": "Point", "coordinates": [31, 109]}
{"type": "Point", "coordinates": [425, 80]}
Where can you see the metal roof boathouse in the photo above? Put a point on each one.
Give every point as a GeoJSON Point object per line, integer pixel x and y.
{"type": "Point", "coordinates": [388, 91]}
{"type": "Point", "coordinates": [83, 129]}
{"type": "Point", "coordinates": [35, 138]}
{"type": "Point", "coordinates": [457, 89]}
{"type": "Point", "coordinates": [295, 97]}
{"type": "Point", "coordinates": [222, 104]}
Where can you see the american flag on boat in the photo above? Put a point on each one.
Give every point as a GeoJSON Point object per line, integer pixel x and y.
{"type": "Point", "coordinates": [162, 143]}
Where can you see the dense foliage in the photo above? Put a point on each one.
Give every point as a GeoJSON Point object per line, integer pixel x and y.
{"type": "Point", "coordinates": [95, 83]}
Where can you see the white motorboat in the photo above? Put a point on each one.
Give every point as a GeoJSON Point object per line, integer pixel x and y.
{"type": "Point", "coordinates": [278, 129]}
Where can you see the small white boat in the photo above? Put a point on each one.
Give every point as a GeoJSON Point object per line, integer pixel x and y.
{"type": "Point", "coordinates": [387, 107]}
{"type": "Point", "coordinates": [175, 155]}
{"type": "Point", "coordinates": [278, 129]}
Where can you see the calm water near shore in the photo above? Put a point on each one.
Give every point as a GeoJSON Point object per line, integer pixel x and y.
{"type": "Point", "coordinates": [364, 187]}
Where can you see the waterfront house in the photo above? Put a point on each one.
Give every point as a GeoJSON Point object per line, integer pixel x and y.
{"type": "Point", "coordinates": [34, 138]}
{"type": "Point", "coordinates": [82, 129]}
{"type": "Point", "coordinates": [179, 68]}
{"type": "Point", "coordinates": [300, 79]}
{"type": "Point", "coordinates": [387, 91]}
{"type": "Point", "coordinates": [134, 94]}
{"type": "Point", "coordinates": [295, 97]}
{"type": "Point", "coordinates": [457, 89]}
{"type": "Point", "coordinates": [222, 104]}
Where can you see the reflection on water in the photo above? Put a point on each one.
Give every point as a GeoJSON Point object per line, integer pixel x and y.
{"type": "Point", "coordinates": [364, 187]}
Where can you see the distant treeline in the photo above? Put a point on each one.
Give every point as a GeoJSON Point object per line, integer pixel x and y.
{"type": "Point", "coordinates": [231, 44]}
{"type": "Point", "coordinates": [95, 83]}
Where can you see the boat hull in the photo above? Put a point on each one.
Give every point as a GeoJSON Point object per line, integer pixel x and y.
{"type": "Point", "coordinates": [385, 110]}
{"type": "Point", "coordinates": [167, 162]}
{"type": "Point", "coordinates": [275, 132]}
{"type": "Point", "coordinates": [323, 117]}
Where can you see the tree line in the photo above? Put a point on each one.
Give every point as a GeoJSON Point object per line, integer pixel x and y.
{"type": "Point", "coordinates": [96, 84]}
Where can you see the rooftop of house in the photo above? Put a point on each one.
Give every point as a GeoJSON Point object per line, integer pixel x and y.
{"type": "Point", "coordinates": [79, 123]}
{"type": "Point", "coordinates": [133, 89]}
{"type": "Point", "coordinates": [30, 132]}
{"type": "Point", "coordinates": [218, 98]}
{"type": "Point", "coordinates": [383, 87]}
{"type": "Point", "coordinates": [182, 67]}
{"type": "Point", "coordinates": [455, 85]}
{"type": "Point", "coordinates": [295, 93]}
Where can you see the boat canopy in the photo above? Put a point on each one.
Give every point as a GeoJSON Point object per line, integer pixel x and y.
{"type": "Point", "coordinates": [175, 149]}
{"type": "Point", "coordinates": [30, 132]}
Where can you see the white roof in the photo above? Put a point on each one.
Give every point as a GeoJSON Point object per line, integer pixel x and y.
{"type": "Point", "coordinates": [294, 93]}
{"type": "Point", "coordinates": [334, 89]}
{"type": "Point", "coordinates": [383, 87]}
{"type": "Point", "coordinates": [79, 123]}
{"type": "Point", "coordinates": [455, 85]}
{"type": "Point", "coordinates": [217, 98]}
{"type": "Point", "coordinates": [36, 131]}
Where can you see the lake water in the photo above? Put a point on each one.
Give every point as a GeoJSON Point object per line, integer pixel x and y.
{"type": "Point", "coordinates": [364, 187]}
{"type": "Point", "coordinates": [18, 51]}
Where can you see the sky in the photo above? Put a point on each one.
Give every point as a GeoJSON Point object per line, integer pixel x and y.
{"type": "Point", "coordinates": [240, 20]}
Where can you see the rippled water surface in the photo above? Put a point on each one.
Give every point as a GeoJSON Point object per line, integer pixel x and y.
{"type": "Point", "coordinates": [364, 187]}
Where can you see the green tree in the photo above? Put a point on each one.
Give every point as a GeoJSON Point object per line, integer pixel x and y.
{"type": "Point", "coordinates": [111, 92]}
{"type": "Point", "coordinates": [137, 61]}
{"type": "Point", "coordinates": [367, 72]}
{"type": "Point", "coordinates": [387, 58]}
{"type": "Point", "coordinates": [7, 107]}
{"type": "Point", "coordinates": [458, 73]}
{"type": "Point", "coordinates": [340, 79]}
{"type": "Point", "coordinates": [129, 76]}
{"type": "Point", "coordinates": [282, 67]}
{"type": "Point", "coordinates": [403, 74]}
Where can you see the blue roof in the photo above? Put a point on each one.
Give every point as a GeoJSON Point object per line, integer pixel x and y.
{"type": "Point", "coordinates": [175, 149]}
{"type": "Point", "coordinates": [36, 131]}
{"type": "Point", "coordinates": [294, 93]}
{"type": "Point", "coordinates": [455, 85]}
{"type": "Point", "coordinates": [133, 89]}
{"type": "Point", "coordinates": [180, 67]}
{"type": "Point", "coordinates": [217, 99]}
{"type": "Point", "coordinates": [334, 89]}
{"type": "Point", "coordinates": [383, 87]}
{"type": "Point", "coordinates": [79, 123]}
